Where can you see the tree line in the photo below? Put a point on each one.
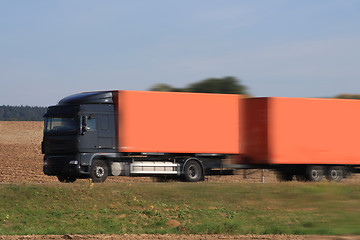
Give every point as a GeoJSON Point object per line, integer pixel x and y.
{"type": "Point", "coordinates": [226, 85]}
{"type": "Point", "coordinates": [348, 96]}
{"type": "Point", "coordinates": [21, 113]}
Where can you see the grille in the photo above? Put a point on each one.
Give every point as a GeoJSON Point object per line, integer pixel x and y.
{"type": "Point", "coordinates": [59, 146]}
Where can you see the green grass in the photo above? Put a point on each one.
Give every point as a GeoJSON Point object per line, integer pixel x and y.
{"type": "Point", "coordinates": [200, 208]}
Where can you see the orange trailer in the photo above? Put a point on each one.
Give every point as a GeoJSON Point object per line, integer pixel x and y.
{"type": "Point", "coordinates": [302, 136]}
{"type": "Point", "coordinates": [168, 122]}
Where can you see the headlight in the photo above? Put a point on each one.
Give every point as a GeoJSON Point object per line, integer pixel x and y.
{"type": "Point", "coordinates": [74, 162]}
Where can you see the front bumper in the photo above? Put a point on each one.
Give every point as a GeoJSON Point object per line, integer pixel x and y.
{"type": "Point", "coordinates": [65, 165]}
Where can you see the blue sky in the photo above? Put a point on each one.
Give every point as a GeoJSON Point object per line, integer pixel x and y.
{"type": "Point", "coordinates": [286, 48]}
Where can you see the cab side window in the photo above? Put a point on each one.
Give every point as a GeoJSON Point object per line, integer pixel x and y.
{"type": "Point", "coordinates": [91, 124]}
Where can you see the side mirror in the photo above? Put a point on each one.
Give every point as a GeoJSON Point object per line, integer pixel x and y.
{"type": "Point", "coordinates": [84, 120]}
{"type": "Point", "coordinates": [84, 124]}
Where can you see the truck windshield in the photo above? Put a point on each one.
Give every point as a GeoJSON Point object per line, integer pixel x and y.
{"type": "Point", "coordinates": [53, 125]}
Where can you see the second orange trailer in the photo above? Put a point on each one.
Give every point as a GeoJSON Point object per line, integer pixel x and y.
{"type": "Point", "coordinates": [305, 137]}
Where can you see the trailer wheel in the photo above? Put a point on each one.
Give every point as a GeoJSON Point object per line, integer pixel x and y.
{"type": "Point", "coordinates": [315, 173]}
{"type": "Point", "coordinates": [66, 179]}
{"type": "Point", "coordinates": [193, 171]}
{"type": "Point", "coordinates": [99, 171]}
{"type": "Point", "coordinates": [335, 174]}
{"type": "Point", "coordinates": [284, 176]}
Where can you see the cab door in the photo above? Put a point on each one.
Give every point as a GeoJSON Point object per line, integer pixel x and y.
{"type": "Point", "coordinates": [106, 131]}
{"type": "Point", "coordinates": [88, 140]}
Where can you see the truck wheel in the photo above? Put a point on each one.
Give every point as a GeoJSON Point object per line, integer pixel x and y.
{"type": "Point", "coordinates": [99, 171]}
{"type": "Point", "coordinates": [335, 174]}
{"type": "Point", "coordinates": [315, 173]}
{"type": "Point", "coordinates": [284, 176]}
{"type": "Point", "coordinates": [66, 179]}
{"type": "Point", "coordinates": [193, 171]}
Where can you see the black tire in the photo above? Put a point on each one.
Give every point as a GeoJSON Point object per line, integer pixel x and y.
{"type": "Point", "coordinates": [335, 174]}
{"type": "Point", "coordinates": [193, 171]}
{"type": "Point", "coordinates": [66, 179]}
{"type": "Point", "coordinates": [99, 171]}
{"type": "Point", "coordinates": [284, 176]}
{"type": "Point", "coordinates": [315, 173]}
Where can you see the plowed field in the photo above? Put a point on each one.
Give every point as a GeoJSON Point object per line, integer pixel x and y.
{"type": "Point", "coordinates": [21, 158]}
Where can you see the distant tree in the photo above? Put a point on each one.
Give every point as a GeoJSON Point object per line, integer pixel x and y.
{"type": "Point", "coordinates": [162, 87]}
{"type": "Point", "coordinates": [228, 85]}
{"type": "Point", "coordinates": [348, 96]}
{"type": "Point", "coordinates": [21, 113]}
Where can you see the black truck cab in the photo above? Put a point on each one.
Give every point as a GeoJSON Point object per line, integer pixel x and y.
{"type": "Point", "coordinates": [77, 128]}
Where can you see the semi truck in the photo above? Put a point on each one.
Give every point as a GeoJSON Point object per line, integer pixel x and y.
{"type": "Point", "coordinates": [139, 133]}
{"type": "Point", "coordinates": [192, 135]}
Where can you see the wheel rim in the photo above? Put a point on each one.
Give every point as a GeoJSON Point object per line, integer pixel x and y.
{"type": "Point", "coordinates": [99, 172]}
{"type": "Point", "coordinates": [192, 172]}
{"type": "Point", "coordinates": [334, 174]}
{"type": "Point", "coordinates": [315, 174]}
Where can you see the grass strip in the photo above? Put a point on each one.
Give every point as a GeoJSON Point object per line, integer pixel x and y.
{"type": "Point", "coordinates": [180, 208]}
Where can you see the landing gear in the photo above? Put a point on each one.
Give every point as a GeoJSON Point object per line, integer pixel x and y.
{"type": "Point", "coordinates": [301, 177]}
{"type": "Point", "coordinates": [284, 176]}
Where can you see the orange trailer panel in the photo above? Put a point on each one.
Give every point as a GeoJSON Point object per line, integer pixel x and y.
{"type": "Point", "coordinates": [302, 131]}
{"type": "Point", "coordinates": [178, 122]}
